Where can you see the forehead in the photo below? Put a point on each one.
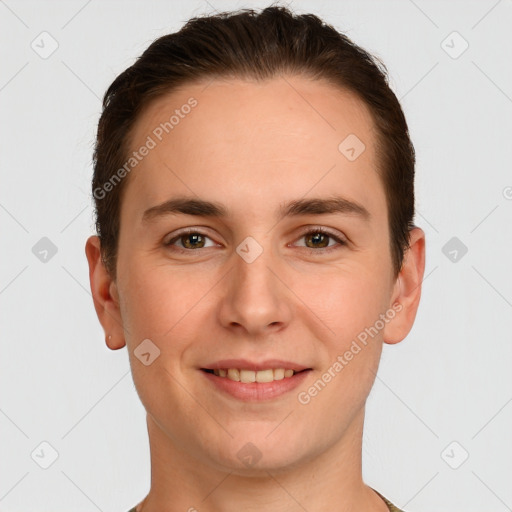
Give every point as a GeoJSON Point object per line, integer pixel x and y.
{"type": "Point", "coordinates": [284, 137]}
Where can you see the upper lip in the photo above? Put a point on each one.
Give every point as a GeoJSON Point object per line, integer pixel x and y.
{"type": "Point", "coordinates": [245, 364]}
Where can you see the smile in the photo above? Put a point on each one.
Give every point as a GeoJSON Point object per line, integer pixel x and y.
{"type": "Point", "coordinates": [242, 375]}
{"type": "Point", "coordinates": [251, 385]}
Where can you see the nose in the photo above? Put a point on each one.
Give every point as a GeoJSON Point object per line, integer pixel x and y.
{"type": "Point", "coordinates": [255, 301]}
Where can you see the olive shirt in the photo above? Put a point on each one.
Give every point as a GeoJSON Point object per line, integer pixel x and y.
{"type": "Point", "coordinates": [390, 505]}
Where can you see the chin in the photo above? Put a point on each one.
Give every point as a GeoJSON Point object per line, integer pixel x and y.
{"type": "Point", "coordinates": [247, 455]}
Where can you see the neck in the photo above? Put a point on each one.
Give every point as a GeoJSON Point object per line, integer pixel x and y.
{"type": "Point", "coordinates": [331, 480]}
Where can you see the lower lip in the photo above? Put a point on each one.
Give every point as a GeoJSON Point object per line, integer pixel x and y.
{"type": "Point", "coordinates": [256, 391]}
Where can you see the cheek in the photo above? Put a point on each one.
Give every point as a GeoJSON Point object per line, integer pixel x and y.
{"type": "Point", "coordinates": [151, 304]}
{"type": "Point", "coordinates": [346, 300]}
{"type": "Point", "coordinates": [350, 305]}
{"type": "Point", "coordinates": [159, 307]}
{"type": "Point", "coordinates": [165, 305]}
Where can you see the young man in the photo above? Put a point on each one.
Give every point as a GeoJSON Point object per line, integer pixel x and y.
{"type": "Point", "coordinates": [254, 188]}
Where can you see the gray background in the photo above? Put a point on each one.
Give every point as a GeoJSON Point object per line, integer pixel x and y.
{"type": "Point", "coordinates": [441, 395]}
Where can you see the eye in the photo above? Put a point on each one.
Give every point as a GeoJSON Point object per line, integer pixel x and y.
{"type": "Point", "coordinates": [189, 239]}
{"type": "Point", "coordinates": [318, 238]}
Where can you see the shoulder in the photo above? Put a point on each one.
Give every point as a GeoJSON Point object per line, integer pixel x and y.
{"type": "Point", "coordinates": [391, 507]}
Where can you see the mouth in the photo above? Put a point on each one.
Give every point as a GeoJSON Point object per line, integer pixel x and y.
{"type": "Point", "coordinates": [255, 385]}
{"type": "Point", "coordinates": [250, 376]}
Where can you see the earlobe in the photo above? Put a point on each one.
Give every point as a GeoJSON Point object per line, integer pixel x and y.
{"type": "Point", "coordinates": [105, 295]}
{"type": "Point", "coordinates": [407, 290]}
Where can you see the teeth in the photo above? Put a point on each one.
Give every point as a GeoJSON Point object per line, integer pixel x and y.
{"type": "Point", "coordinates": [279, 374]}
{"type": "Point", "coordinates": [234, 374]}
{"type": "Point", "coordinates": [253, 376]}
{"type": "Point", "coordinates": [247, 376]}
{"type": "Point", "coordinates": [264, 376]}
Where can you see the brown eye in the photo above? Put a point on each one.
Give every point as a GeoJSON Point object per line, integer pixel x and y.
{"type": "Point", "coordinates": [189, 240]}
{"type": "Point", "coordinates": [192, 240]}
{"type": "Point", "coordinates": [319, 240]}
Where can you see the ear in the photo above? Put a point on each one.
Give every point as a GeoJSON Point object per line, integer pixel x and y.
{"type": "Point", "coordinates": [105, 295]}
{"type": "Point", "coordinates": [407, 289]}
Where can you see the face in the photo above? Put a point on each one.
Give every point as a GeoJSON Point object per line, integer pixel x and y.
{"type": "Point", "coordinates": [274, 272]}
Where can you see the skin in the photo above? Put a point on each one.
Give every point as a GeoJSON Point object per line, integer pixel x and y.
{"type": "Point", "coordinates": [252, 147]}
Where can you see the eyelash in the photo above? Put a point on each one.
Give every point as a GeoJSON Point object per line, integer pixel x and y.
{"type": "Point", "coordinates": [312, 231]}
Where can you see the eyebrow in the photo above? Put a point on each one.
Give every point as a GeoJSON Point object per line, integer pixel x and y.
{"type": "Point", "coordinates": [203, 208]}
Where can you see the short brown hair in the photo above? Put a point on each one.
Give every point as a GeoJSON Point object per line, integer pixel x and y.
{"type": "Point", "coordinates": [259, 46]}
